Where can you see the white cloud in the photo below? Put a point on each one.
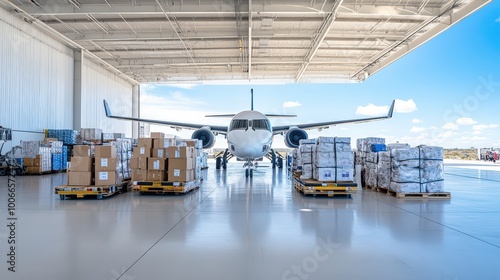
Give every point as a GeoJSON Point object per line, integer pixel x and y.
{"type": "Point", "coordinates": [417, 129]}
{"type": "Point", "coordinates": [372, 110]}
{"type": "Point", "coordinates": [466, 121]}
{"type": "Point", "coordinates": [433, 127]}
{"type": "Point", "coordinates": [290, 104]}
{"type": "Point", "coordinates": [405, 106]}
{"type": "Point", "coordinates": [484, 126]}
{"type": "Point", "coordinates": [447, 134]}
{"type": "Point", "coordinates": [183, 86]}
{"type": "Point", "coordinates": [497, 20]}
{"type": "Point", "coordinates": [416, 121]}
{"type": "Point", "coordinates": [477, 132]}
{"type": "Point", "coordinates": [450, 126]}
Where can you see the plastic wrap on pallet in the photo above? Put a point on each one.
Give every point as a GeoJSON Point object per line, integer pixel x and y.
{"type": "Point", "coordinates": [307, 141]}
{"type": "Point", "coordinates": [46, 156]}
{"type": "Point", "coordinates": [30, 149]}
{"type": "Point", "coordinates": [433, 187]}
{"type": "Point", "coordinates": [397, 146]}
{"type": "Point", "coordinates": [67, 136]}
{"type": "Point", "coordinates": [307, 171]}
{"type": "Point", "coordinates": [323, 158]}
{"type": "Point", "coordinates": [405, 174]}
{"type": "Point", "coordinates": [384, 170]}
{"type": "Point", "coordinates": [431, 152]}
{"type": "Point", "coordinates": [405, 154]}
{"type": "Point", "coordinates": [108, 136]}
{"type": "Point", "coordinates": [364, 144]}
{"type": "Point", "coordinates": [64, 159]}
{"type": "Point", "coordinates": [414, 163]}
{"type": "Point", "coordinates": [344, 174]}
{"type": "Point", "coordinates": [431, 170]}
{"type": "Point", "coordinates": [371, 157]}
{"type": "Point", "coordinates": [90, 134]}
{"type": "Point", "coordinates": [325, 147]}
{"type": "Point", "coordinates": [324, 140]}
{"type": "Point", "coordinates": [378, 148]}
{"type": "Point", "coordinates": [55, 146]}
{"type": "Point", "coordinates": [306, 158]}
{"type": "Point", "coordinates": [57, 162]}
{"type": "Point", "coordinates": [345, 140]}
{"type": "Point", "coordinates": [324, 174]}
{"type": "Point", "coordinates": [371, 174]}
{"type": "Point", "coordinates": [342, 147]}
{"type": "Point", "coordinates": [308, 148]}
{"type": "Point", "coordinates": [405, 187]}
{"type": "Point", "coordinates": [344, 159]}
{"type": "Point", "coordinates": [118, 135]}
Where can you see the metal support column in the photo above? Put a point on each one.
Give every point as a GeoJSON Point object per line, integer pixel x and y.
{"type": "Point", "coordinates": [136, 97]}
{"type": "Point", "coordinates": [77, 89]}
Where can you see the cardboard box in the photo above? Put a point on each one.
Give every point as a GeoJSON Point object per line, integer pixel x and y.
{"type": "Point", "coordinates": [81, 164]}
{"type": "Point", "coordinates": [325, 174]}
{"type": "Point", "coordinates": [142, 151]}
{"type": "Point", "coordinates": [156, 163]}
{"type": "Point", "coordinates": [105, 151]}
{"type": "Point", "coordinates": [159, 143]}
{"type": "Point", "coordinates": [105, 164]}
{"type": "Point", "coordinates": [157, 135]}
{"type": "Point", "coordinates": [159, 153]}
{"type": "Point", "coordinates": [138, 162]}
{"type": "Point", "coordinates": [156, 175]}
{"type": "Point", "coordinates": [195, 143]}
{"type": "Point", "coordinates": [82, 151]}
{"type": "Point", "coordinates": [34, 169]}
{"type": "Point", "coordinates": [105, 178]}
{"type": "Point", "coordinates": [181, 163]}
{"type": "Point", "coordinates": [139, 175]}
{"type": "Point", "coordinates": [180, 152]}
{"type": "Point", "coordinates": [79, 178]}
{"type": "Point", "coordinates": [33, 162]}
{"type": "Point", "coordinates": [145, 142]}
{"type": "Point", "coordinates": [180, 175]}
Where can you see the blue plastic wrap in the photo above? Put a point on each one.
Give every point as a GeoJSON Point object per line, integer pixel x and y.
{"type": "Point", "coordinates": [379, 148]}
{"type": "Point", "coordinates": [67, 136]}
{"type": "Point", "coordinates": [57, 162]}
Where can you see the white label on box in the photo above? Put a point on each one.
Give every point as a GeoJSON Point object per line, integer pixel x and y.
{"type": "Point", "coordinates": [177, 172]}
{"type": "Point", "coordinates": [104, 162]}
{"type": "Point", "coordinates": [177, 154]}
{"type": "Point", "coordinates": [160, 153]}
{"type": "Point", "coordinates": [103, 176]}
{"type": "Point", "coordinates": [142, 150]}
{"type": "Point", "coordinates": [156, 164]}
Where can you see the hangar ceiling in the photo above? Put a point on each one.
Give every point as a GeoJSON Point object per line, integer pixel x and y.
{"type": "Point", "coordinates": [275, 41]}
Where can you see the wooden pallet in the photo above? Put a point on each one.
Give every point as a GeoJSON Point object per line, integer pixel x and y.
{"type": "Point", "coordinates": [92, 191]}
{"type": "Point", "coordinates": [376, 189]}
{"type": "Point", "coordinates": [330, 189]}
{"type": "Point", "coordinates": [443, 195]}
{"type": "Point", "coordinates": [165, 187]}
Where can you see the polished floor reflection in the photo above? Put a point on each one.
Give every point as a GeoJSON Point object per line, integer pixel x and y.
{"type": "Point", "coordinates": [259, 228]}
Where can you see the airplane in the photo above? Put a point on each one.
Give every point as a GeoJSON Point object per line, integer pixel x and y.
{"type": "Point", "coordinates": [249, 134]}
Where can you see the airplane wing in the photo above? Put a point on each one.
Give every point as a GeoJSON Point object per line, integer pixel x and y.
{"type": "Point", "coordinates": [176, 125]}
{"type": "Point", "coordinates": [323, 125]}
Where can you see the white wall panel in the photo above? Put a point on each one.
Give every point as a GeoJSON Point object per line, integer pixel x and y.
{"type": "Point", "coordinates": [97, 84]}
{"type": "Point", "coordinates": [36, 78]}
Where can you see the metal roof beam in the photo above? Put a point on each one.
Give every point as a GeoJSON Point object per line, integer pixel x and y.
{"type": "Point", "coordinates": [323, 30]}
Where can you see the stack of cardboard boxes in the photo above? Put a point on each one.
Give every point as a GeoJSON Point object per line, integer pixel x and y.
{"type": "Point", "coordinates": [161, 159]}
{"type": "Point", "coordinates": [80, 169]}
{"type": "Point", "coordinates": [106, 163]}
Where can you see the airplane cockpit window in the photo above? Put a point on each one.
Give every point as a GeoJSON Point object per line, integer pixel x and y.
{"type": "Point", "coordinates": [239, 124]}
{"type": "Point", "coordinates": [261, 125]}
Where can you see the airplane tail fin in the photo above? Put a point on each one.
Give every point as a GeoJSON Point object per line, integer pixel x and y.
{"type": "Point", "coordinates": [391, 109]}
{"type": "Point", "coordinates": [251, 96]}
{"type": "Point", "coordinates": [106, 108]}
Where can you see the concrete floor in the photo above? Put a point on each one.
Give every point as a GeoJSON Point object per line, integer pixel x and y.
{"type": "Point", "coordinates": [234, 228]}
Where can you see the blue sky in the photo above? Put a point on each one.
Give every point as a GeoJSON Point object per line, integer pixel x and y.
{"type": "Point", "coordinates": [448, 93]}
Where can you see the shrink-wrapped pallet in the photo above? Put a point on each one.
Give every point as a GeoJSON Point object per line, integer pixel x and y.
{"type": "Point", "coordinates": [307, 171]}
{"type": "Point", "coordinates": [431, 165]}
{"type": "Point", "coordinates": [371, 174]}
{"type": "Point", "coordinates": [384, 170]}
{"type": "Point", "coordinates": [405, 187]}
{"type": "Point", "coordinates": [364, 144]}
{"type": "Point", "coordinates": [30, 149]}
{"type": "Point", "coordinates": [91, 134]}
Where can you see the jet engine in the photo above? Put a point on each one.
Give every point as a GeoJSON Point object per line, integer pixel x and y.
{"type": "Point", "coordinates": [293, 136]}
{"type": "Point", "coordinates": [206, 136]}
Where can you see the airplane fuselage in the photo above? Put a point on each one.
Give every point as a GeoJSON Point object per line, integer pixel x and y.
{"type": "Point", "coordinates": [250, 135]}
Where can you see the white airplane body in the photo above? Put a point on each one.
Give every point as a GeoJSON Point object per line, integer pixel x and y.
{"type": "Point", "coordinates": [249, 134]}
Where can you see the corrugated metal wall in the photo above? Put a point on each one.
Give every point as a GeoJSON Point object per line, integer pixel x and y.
{"type": "Point", "coordinates": [36, 84]}
{"type": "Point", "coordinates": [36, 78]}
{"type": "Point", "coordinates": [98, 84]}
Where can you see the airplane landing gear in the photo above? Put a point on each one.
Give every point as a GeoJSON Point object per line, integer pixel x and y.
{"type": "Point", "coordinates": [249, 167]}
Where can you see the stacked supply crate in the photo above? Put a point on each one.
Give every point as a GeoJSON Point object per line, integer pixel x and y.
{"type": "Point", "coordinates": [296, 165]}
{"type": "Point", "coordinates": [344, 160]}
{"type": "Point", "coordinates": [181, 164]}
{"type": "Point", "coordinates": [90, 135]}
{"type": "Point", "coordinates": [384, 170]}
{"type": "Point", "coordinates": [306, 157]}
{"type": "Point", "coordinates": [431, 165]}
{"type": "Point", "coordinates": [59, 153]}
{"type": "Point", "coordinates": [81, 166]}
{"type": "Point", "coordinates": [36, 157]}
{"type": "Point", "coordinates": [123, 154]}
{"type": "Point", "coordinates": [405, 170]}
{"type": "Point", "coordinates": [139, 160]}
{"type": "Point", "coordinates": [106, 165]}
{"type": "Point", "coordinates": [67, 136]}
{"type": "Point", "coordinates": [197, 145]}
{"type": "Point", "coordinates": [323, 157]}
